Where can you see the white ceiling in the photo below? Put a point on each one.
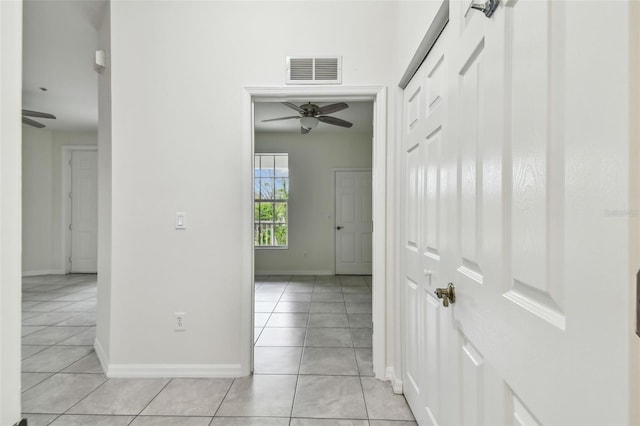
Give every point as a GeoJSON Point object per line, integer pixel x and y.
{"type": "Point", "coordinates": [359, 113]}
{"type": "Point", "coordinates": [59, 44]}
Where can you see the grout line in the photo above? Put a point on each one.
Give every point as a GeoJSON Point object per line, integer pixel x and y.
{"type": "Point", "coordinates": [223, 398]}
{"type": "Point", "coordinates": [295, 389]}
{"type": "Point", "coordinates": [154, 397]}
{"type": "Point", "coordinates": [87, 395]}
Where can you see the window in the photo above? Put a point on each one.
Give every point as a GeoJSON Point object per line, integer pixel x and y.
{"type": "Point", "coordinates": [271, 200]}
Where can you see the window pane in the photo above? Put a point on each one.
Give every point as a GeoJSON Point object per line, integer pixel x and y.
{"type": "Point", "coordinates": [267, 189]}
{"type": "Point", "coordinates": [280, 235]}
{"type": "Point", "coordinates": [266, 212]}
{"type": "Point", "coordinates": [281, 212]}
{"type": "Point", "coordinates": [282, 189]}
{"type": "Point", "coordinates": [264, 234]}
{"type": "Point", "coordinates": [282, 165]}
{"type": "Point", "coordinates": [256, 188]}
{"type": "Point", "coordinates": [267, 165]}
{"type": "Point", "coordinates": [256, 212]}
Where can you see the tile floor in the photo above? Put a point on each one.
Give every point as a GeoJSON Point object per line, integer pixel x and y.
{"type": "Point", "coordinates": [312, 363]}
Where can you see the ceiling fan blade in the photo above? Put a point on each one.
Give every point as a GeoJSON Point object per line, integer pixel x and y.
{"type": "Point", "coordinates": [33, 123]}
{"type": "Point", "coordinates": [304, 131]}
{"type": "Point", "coordinates": [293, 106]}
{"type": "Point", "coordinates": [328, 109]}
{"type": "Point", "coordinates": [335, 121]}
{"type": "Point", "coordinates": [30, 113]}
{"type": "Point", "coordinates": [281, 118]}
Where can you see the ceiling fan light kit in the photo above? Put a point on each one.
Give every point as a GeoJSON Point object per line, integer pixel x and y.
{"type": "Point", "coordinates": [309, 122]}
{"type": "Point", "coordinates": [311, 115]}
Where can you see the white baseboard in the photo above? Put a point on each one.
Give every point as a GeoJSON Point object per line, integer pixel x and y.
{"type": "Point", "coordinates": [173, 370]}
{"type": "Point", "coordinates": [43, 272]}
{"type": "Point", "coordinates": [101, 354]}
{"type": "Point", "coordinates": [396, 382]}
{"type": "Point", "coordinates": [296, 272]}
{"type": "Point", "coordinates": [163, 370]}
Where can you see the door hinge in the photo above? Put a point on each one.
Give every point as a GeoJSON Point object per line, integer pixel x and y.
{"type": "Point", "coordinates": [69, 227]}
{"type": "Point", "coordinates": [69, 260]}
{"type": "Point", "coordinates": [70, 195]}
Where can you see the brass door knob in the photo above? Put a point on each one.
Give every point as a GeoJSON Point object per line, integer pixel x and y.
{"type": "Point", "coordinates": [448, 295]}
{"type": "Point", "coordinates": [487, 8]}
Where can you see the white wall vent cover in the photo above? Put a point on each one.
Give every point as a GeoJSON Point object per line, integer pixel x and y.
{"type": "Point", "coordinates": [314, 69]}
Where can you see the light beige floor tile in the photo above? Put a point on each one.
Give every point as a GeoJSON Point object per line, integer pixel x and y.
{"type": "Point", "coordinates": [268, 396]}
{"type": "Point", "coordinates": [382, 403]}
{"type": "Point", "coordinates": [189, 397]}
{"type": "Point", "coordinates": [329, 361]}
{"type": "Point", "coordinates": [276, 360]}
{"type": "Point", "coordinates": [120, 396]}
{"type": "Point", "coordinates": [329, 397]}
{"type": "Point", "coordinates": [282, 337]}
{"type": "Point", "coordinates": [59, 392]}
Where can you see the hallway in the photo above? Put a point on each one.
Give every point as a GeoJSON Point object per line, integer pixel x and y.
{"type": "Point", "coordinates": [312, 363]}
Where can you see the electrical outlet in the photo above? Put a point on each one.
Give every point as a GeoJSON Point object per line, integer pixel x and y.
{"type": "Point", "coordinates": [179, 321]}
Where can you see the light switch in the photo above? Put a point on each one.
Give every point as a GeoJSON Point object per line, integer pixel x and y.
{"type": "Point", "coordinates": [181, 220]}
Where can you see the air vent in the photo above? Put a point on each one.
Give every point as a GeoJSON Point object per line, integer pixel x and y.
{"type": "Point", "coordinates": [314, 69]}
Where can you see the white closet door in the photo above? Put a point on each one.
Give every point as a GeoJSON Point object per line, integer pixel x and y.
{"type": "Point", "coordinates": [506, 197]}
{"type": "Point", "coordinates": [427, 325]}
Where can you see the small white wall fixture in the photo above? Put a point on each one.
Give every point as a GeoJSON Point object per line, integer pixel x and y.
{"type": "Point", "coordinates": [377, 94]}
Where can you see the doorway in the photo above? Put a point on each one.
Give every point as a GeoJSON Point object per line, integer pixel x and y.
{"type": "Point", "coordinates": [321, 94]}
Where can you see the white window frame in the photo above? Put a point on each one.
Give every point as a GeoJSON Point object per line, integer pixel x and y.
{"type": "Point", "coordinates": [274, 202]}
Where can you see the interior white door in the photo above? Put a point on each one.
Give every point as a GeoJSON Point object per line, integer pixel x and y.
{"type": "Point", "coordinates": [354, 225]}
{"type": "Point", "coordinates": [427, 325]}
{"type": "Point", "coordinates": [489, 188]}
{"type": "Point", "coordinates": [84, 211]}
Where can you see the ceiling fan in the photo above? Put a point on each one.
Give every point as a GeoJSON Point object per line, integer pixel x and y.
{"type": "Point", "coordinates": [311, 115]}
{"type": "Point", "coordinates": [29, 122]}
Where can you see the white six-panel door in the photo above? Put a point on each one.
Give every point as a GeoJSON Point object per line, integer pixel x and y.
{"type": "Point", "coordinates": [354, 226]}
{"type": "Point", "coordinates": [486, 191]}
{"type": "Point", "coordinates": [427, 326]}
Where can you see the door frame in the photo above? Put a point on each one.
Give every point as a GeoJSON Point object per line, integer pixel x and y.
{"type": "Point", "coordinates": [335, 204]}
{"type": "Point", "coordinates": [377, 94]}
{"type": "Point", "coordinates": [65, 211]}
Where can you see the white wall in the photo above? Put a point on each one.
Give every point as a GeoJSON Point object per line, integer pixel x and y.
{"type": "Point", "coordinates": [634, 195]}
{"type": "Point", "coordinates": [177, 92]}
{"type": "Point", "coordinates": [42, 197]}
{"type": "Point", "coordinates": [412, 19]}
{"type": "Point", "coordinates": [37, 162]}
{"type": "Point", "coordinates": [10, 208]}
{"type": "Point", "coordinates": [103, 325]}
{"type": "Point", "coordinates": [312, 160]}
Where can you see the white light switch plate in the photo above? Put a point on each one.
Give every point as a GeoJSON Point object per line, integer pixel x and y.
{"type": "Point", "coordinates": [181, 220]}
